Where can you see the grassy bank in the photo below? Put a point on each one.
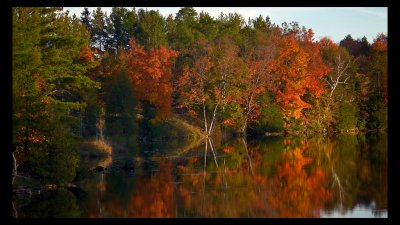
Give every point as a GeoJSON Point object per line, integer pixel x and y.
{"type": "Point", "coordinates": [95, 148]}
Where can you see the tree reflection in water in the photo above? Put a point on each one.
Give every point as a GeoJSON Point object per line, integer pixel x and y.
{"type": "Point", "coordinates": [272, 177]}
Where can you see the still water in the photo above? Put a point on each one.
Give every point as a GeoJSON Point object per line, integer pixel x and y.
{"type": "Point", "coordinates": [345, 176]}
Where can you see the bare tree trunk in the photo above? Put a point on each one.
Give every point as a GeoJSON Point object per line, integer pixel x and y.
{"type": "Point", "coordinates": [248, 156]}
{"type": "Point", "coordinates": [247, 113]}
{"type": "Point", "coordinates": [80, 123]}
{"type": "Point", "coordinates": [341, 69]}
{"type": "Point", "coordinates": [255, 85]}
{"type": "Point", "coordinates": [340, 187]}
{"type": "Point", "coordinates": [204, 178]}
{"type": "Point", "coordinates": [213, 119]}
{"type": "Point", "coordinates": [212, 150]}
{"type": "Point", "coordinates": [15, 211]}
{"type": "Point", "coordinates": [101, 124]}
{"type": "Point", "coordinates": [244, 128]}
{"type": "Point", "coordinates": [205, 156]}
{"type": "Point", "coordinates": [97, 130]}
{"type": "Point", "coordinates": [205, 119]}
{"type": "Point", "coordinates": [15, 171]}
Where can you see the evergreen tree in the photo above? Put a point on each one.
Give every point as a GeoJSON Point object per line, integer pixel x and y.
{"type": "Point", "coordinates": [151, 30]}
{"type": "Point", "coordinates": [49, 85]}
{"type": "Point", "coordinates": [86, 19]}
{"type": "Point", "coordinates": [99, 34]}
{"type": "Point", "coordinates": [120, 106]}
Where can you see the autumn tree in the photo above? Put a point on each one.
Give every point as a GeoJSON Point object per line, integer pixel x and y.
{"type": "Point", "coordinates": [294, 77]}
{"type": "Point", "coordinates": [150, 74]}
{"type": "Point", "coordinates": [210, 79]}
{"type": "Point", "coordinates": [338, 106]}
{"type": "Point", "coordinates": [377, 74]}
{"type": "Point", "coordinates": [193, 84]}
{"type": "Point", "coordinates": [259, 51]}
{"type": "Point", "coordinates": [340, 63]}
{"type": "Point", "coordinates": [378, 67]}
{"type": "Point", "coordinates": [357, 47]}
{"type": "Point", "coordinates": [225, 57]}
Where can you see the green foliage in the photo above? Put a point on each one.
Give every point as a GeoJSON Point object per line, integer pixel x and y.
{"type": "Point", "coordinates": [121, 26]}
{"type": "Point", "coordinates": [49, 88]}
{"type": "Point", "coordinates": [207, 26]}
{"type": "Point", "coordinates": [90, 118]}
{"type": "Point", "coordinates": [185, 31]}
{"type": "Point", "coordinates": [147, 124]}
{"type": "Point", "coordinates": [98, 30]}
{"type": "Point", "coordinates": [120, 106]}
{"type": "Point", "coordinates": [232, 112]}
{"type": "Point", "coordinates": [271, 117]}
{"type": "Point", "coordinates": [347, 116]}
{"type": "Point", "coordinates": [151, 29]}
{"type": "Point", "coordinates": [54, 204]}
{"type": "Point", "coordinates": [321, 115]}
{"type": "Point", "coordinates": [296, 126]}
{"type": "Point", "coordinates": [56, 159]}
{"type": "Point", "coordinates": [377, 117]}
{"type": "Point", "coordinates": [230, 26]}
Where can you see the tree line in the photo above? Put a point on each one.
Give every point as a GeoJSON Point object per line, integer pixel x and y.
{"type": "Point", "coordinates": [122, 74]}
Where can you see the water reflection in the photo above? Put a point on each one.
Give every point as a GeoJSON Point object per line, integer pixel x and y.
{"type": "Point", "coordinates": [344, 176]}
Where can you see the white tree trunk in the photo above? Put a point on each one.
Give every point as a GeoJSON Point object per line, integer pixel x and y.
{"type": "Point", "coordinates": [205, 119]}
{"type": "Point", "coordinates": [15, 170]}
{"type": "Point", "coordinates": [248, 157]}
{"type": "Point", "coordinates": [212, 150]}
{"type": "Point", "coordinates": [247, 112]}
{"type": "Point", "coordinates": [213, 120]}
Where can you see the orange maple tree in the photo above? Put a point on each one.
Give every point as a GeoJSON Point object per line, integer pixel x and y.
{"type": "Point", "coordinates": [316, 66]}
{"type": "Point", "coordinates": [151, 76]}
{"type": "Point", "coordinates": [297, 70]}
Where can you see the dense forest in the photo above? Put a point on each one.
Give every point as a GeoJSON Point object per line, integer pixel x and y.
{"type": "Point", "coordinates": [85, 80]}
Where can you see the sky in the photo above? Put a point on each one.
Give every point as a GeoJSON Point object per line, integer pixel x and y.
{"type": "Point", "coordinates": [333, 22]}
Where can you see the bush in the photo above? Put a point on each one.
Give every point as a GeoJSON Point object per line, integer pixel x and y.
{"type": "Point", "coordinates": [271, 117]}
{"type": "Point", "coordinates": [57, 159]}
{"type": "Point", "coordinates": [347, 118]}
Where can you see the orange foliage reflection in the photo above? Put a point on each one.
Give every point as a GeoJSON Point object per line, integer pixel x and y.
{"type": "Point", "coordinates": [296, 191]}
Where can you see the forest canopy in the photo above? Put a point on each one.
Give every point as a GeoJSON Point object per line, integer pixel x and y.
{"type": "Point", "coordinates": [124, 73]}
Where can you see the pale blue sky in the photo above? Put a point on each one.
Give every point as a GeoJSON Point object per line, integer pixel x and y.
{"type": "Point", "coordinates": [334, 22]}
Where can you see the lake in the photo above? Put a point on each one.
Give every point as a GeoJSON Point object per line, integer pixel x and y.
{"type": "Point", "coordinates": [344, 176]}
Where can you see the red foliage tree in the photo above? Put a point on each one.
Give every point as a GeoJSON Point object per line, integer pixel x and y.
{"type": "Point", "coordinates": [297, 70]}
{"type": "Point", "coordinates": [151, 75]}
